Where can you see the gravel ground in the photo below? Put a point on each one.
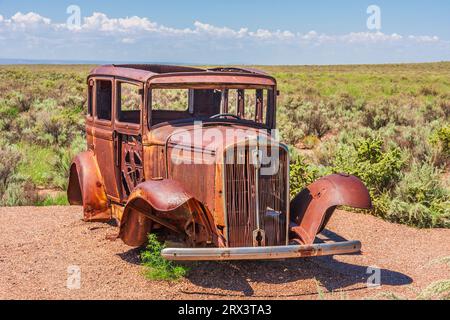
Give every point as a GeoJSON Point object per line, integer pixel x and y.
{"type": "Point", "coordinates": [38, 244]}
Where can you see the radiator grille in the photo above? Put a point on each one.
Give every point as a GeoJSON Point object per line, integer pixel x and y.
{"type": "Point", "coordinates": [240, 192]}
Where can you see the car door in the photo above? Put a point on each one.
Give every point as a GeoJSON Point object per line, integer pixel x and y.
{"type": "Point", "coordinates": [128, 136]}
{"type": "Point", "coordinates": [102, 133]}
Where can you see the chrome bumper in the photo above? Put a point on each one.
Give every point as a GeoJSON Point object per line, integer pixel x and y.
{"type": "Point", "coordinates": [261, 253]}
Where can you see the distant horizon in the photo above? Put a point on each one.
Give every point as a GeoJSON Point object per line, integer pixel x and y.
{"type": "Point", "coordinates": [12, 61]}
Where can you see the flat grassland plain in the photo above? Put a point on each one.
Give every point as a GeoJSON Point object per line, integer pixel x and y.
{"type": "Point", "coordinates": [387, 124]}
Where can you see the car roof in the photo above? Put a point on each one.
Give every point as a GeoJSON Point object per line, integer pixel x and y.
{"type": "Point", "coordinates": [144, 72]}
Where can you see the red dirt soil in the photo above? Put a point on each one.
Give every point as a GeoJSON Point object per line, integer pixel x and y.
{"type": "Point", "coordinates": [38, 244]}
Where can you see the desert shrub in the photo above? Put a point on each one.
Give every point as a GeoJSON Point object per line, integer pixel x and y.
{"type": "Point", "coordinates": [412, 140]}
{"type": "Point", "coordinates": [324, 152]}
{"type": "Point", "coordinates": [440, 139]}
{"type": "Point", "coordinates": [429, 91]}
{"type": "Point", "coordinates": [316, 122]}
{"type": "Point", "coordinates": [15, 189]}
{"type": "Point", "coordinates": [445, 106]}
{"type": "Point", "coordinates": [9, 157]}
{"type": "Point", "coordinates": [19, 192]}
{"type": "Point", "coordinates": [61, 163]}
{"type": "Point", "coordinates": [431, 111]}
{"type": "Point", "coordinates": [346, 101]}
{"type": "Point", "coordinates": [309, 142]}
{"type": "Point", "coordinates": [36, 164]}
{"type": "Point", "coordinates": [290, 133]}
{"type": "Point", "coordinates": [303, 173]}
{"type": "Point", "coordinates": [379, 115]}
{"type": "Point", "coordinates": [420, 199]}
{"type": "Point", "coordinates": [156, 267]}
{"type": "Point", "coordinates": [376, 117]}
{"type": "Point", "coordinates": [365, 158]}
{"type": "Point", "coordinates": [298, 118]}
{"type": "Point", "coordinates": [436, 290]}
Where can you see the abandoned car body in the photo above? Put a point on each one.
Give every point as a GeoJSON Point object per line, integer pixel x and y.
{"type": "Point", "coordinates": [211, 195]}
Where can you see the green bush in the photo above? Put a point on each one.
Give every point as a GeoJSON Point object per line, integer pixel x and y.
{"type": "Point", "coordinates": [379, 169]}
{"type": "Point", "coordinates": [158, 268]}
{"type": "Point", "coordinates": [298, 118]}
{"type": "Point", "coordinates": [61, 163]}
{"type": "Point", "coordinates": [14, 188]}
{"type": "Point", "coordinates": [420, 199]}
{"type": "Point", "coordinates": [440, 139]}
{"type": "Point", "coordinates": [303, 173]}
{"type": "Point", "coordinates": [439, 290]}
{"type": "Point", "coordinates": [20, 192]}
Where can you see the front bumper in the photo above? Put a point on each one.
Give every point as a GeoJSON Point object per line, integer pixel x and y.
{"type": "Point", "coordinates": [261, 253]}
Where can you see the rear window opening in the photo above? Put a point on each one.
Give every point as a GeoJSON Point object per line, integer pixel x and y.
{"type": "Point", "coordinates": [104, 99]}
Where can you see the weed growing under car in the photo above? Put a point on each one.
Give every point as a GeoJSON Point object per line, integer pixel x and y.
{"type": "Point", "coordinates": [156, 267]}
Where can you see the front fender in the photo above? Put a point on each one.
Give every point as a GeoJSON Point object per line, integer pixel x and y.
{"type": "Point", "coordinates": [87, 189]}
{"type": "Point", "coordinates": [167, 203]}
{"type": "Point", "coordinates": [312, 208]}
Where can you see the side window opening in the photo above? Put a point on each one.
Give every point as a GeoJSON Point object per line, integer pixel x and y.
{"type": "Point", "coordinates": [104, 99]}
{"type": "Point", "coordinates": [129, 100]}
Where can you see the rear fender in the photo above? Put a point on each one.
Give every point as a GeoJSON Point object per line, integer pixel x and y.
{"type": "Point", "coordinates": [167, 203]}
{"type": "Point", "coordinates": [312, 208]}
{"type": "Point", "coordinates": [86, 188]}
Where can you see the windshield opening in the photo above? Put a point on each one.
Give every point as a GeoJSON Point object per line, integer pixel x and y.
{"type": "Point", "coordinates": [230, 103]}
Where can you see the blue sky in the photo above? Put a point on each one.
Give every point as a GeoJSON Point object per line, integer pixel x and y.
{"type": "Point", "coordinates": [217, 32]}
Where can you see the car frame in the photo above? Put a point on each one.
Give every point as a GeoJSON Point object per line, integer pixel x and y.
{"type": "Point", "coordinates": [204, 211]}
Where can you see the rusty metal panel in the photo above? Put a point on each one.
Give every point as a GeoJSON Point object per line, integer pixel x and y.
{"type": "Point", "coordinates": [167, 203]}
{"type": "Point", "coordinates": [155, 163]}
{"type": "Point", "coordinates": [86, 188]}
{"type": "Point", "coordinates": [211, 79]}
{"type": "Point", "coordinates": [312, 208]}
{"type": "Point", "coordinates": [199, 178]}
{"type": "Point", "coordinates": [104, 151]}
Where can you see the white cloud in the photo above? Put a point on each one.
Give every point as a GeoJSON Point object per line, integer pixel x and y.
{"type": "Point", "coordinates": [424, 38]}
{"type": "Point", "coordinates": [218, 31]}
{"type": "Point", "coordinates": [1, 18]}
{"type": "Point", "coordinates": [29, 18]}
{"type": "Point", "coordinates": [371, 37]}
{"type": "Point", "coordinates": [267, 34]}
{"type": "Point", "coordinates": [100, 22]}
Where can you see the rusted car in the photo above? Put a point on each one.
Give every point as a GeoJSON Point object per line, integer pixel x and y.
{"type": "Point", "coordinates": [192, 155]}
